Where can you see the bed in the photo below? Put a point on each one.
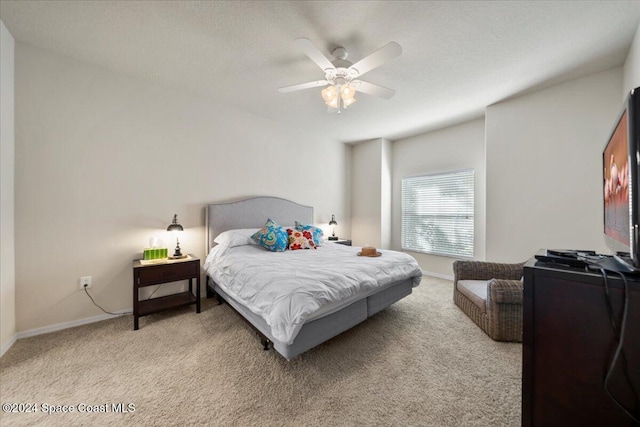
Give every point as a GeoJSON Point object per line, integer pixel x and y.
{"type": "Point", "coordinates": [332, 317]}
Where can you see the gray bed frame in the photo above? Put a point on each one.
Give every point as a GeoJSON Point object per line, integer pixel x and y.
{"type": "Point", "coordinates": [253, 213]}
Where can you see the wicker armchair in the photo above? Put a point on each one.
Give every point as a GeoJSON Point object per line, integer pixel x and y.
{"type": "Point", "coordinates": [491, 295]}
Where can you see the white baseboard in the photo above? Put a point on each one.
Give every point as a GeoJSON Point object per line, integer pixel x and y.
{"type": "Point", "coordinates": [8, 345]}
{"type": "Point", "coordinates": [438, 275]}
{"type": "Point", "coordinates": [71, 324]}
{"type": "Point", "coordinates": [74, 323]}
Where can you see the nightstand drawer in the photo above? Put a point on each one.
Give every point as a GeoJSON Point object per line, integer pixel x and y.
{"type": "Point", "coordinates": [167, 273]}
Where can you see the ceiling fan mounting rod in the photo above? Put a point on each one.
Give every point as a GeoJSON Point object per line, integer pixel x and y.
{"type": "Point", "coordinates": [340, 53]}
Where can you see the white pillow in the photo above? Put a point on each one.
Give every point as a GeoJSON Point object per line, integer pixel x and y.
{"type": "Point", "coordinates": [238, 237]}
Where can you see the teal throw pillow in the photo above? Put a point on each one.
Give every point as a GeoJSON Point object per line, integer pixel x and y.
{"type": "Point", "coordinates": [272, 237]}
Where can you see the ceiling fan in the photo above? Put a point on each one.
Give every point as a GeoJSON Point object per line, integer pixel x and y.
{"type": "Point", "coordinates": [341, 76]}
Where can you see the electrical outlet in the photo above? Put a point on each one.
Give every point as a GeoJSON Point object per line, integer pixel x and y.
{"type": "Point", "coordinates": [85, 282]}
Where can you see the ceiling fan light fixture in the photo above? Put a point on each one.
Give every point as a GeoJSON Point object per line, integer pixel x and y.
{"type": "Point", "coordinates": [329, 94]}
{"type": "Point", "coordinates": [347, 92]}
{"type": "Point", "coordinates": [347, 102]}
{"type": "Point", "coordinates": [333, 103]}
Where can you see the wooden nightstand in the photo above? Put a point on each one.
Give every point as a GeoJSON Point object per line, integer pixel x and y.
{"type": "Point", "coordinates": [165, 271]}
{"type": "Point", "coordinates": [341, 242]}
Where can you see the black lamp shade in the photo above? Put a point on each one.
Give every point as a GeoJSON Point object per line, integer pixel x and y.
{"type": "Point", "coordinates": [174, 226]}
{"type": "Point", "coordinates": [333, 220]}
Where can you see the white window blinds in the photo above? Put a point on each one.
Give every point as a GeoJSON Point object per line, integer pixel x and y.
{"type": "Point", "coordinates": [437, 213]}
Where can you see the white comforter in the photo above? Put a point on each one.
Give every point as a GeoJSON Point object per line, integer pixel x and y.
{"type": "Point", "coordinates": [286, 288]}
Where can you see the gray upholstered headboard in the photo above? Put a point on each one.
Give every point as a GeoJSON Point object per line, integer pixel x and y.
{"type": "Point", "coordinates": [253, 213]}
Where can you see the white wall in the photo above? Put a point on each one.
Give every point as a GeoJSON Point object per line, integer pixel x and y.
{"type": "Point", "coordinates": [103, 161]}
{"type": "Point", "coordinates": [386, 172]}
{"type": "Point", "coordinates": [371, 193]}
{"type": "Point", "coordinates": [631, 69]}
{"type": "Point", "coordinates": [544, 155]}
{"type": "Point", "coordinates": [366, 194]}
{"type": "Point", "coordinates": [453, 148]}
{"type": "Point", "coordinates": [7, 197]}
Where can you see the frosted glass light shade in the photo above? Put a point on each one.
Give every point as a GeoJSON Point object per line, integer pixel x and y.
{"type": "Point", "coordinates": [347, 102]}
{"type": "Point", "coordinates": [329, 93]}
{"type": "Point", "coordinates": [347, 92]}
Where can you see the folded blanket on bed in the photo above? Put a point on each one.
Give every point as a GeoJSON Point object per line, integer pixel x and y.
{"type": "Point", "coordinates": [287, 288]}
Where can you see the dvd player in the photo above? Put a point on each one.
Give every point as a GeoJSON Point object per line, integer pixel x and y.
{"type": "Point", "coordinates": [570, 253]}
{"type": "Point", "coordinates": [569, 257]}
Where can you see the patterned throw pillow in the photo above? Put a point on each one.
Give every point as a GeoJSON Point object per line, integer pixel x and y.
{"type": "Point", "coordinates": [272, 237]}
{"type": "Point", "coordinates": [315, 232]}
{"type": "Point", "coordinates": [300, 240]}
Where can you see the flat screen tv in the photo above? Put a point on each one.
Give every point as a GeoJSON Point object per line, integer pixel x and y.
{"type": "Point", "coordinates": [621, 176]}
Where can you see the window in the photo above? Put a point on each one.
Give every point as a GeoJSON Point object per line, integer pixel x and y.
{"type": "Point", "coordinates": [437, 213]}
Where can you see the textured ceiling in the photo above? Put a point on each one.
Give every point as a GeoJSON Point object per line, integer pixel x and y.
{"type": "Point", "coordinates": [458, 57]}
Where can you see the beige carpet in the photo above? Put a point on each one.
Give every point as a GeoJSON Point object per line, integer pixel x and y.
{"type": "Point", "coordinates": [421, 362]}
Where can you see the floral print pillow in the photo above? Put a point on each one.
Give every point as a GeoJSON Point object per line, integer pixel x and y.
{"type": "Point", "coordinates": [272, 237]}
{"type": "Point", "coordinates": [315, 232]}
{"type": "Point", "coordinates": [300, 239]}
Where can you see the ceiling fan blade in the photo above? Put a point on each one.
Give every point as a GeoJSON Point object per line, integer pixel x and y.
{"type": "Point", "coordinates": [313, 53]}
{"type": "Point", "coordinates": [375, 90]}
{"type": "Point", "coordinates": [385, 53]}
{"type": "Point", "coordinates": [301, 86]}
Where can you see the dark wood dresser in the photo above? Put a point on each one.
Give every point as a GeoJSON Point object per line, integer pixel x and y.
{"type": "Point", "coordinates": [569, 343]}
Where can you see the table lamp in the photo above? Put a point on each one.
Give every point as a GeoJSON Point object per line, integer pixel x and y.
{"type": "Point", "coordinates": [175, 228]}
{"type": "Point", "coordinates": [333, 224]}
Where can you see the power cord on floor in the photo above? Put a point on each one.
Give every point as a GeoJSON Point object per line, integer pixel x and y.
{"type": "Point", "coordinates": [94, 303]}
